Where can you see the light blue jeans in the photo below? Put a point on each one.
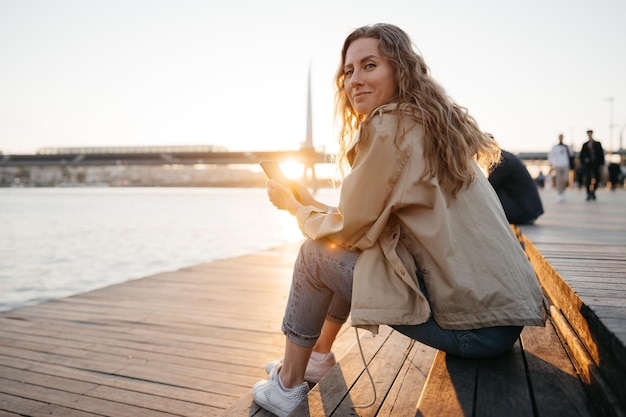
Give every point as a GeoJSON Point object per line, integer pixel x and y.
{"type": "Point", "coordinates": [322, 289]}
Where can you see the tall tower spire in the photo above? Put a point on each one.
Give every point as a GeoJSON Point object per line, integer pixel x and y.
{"type": "Point", "coordinates": [308, 143]}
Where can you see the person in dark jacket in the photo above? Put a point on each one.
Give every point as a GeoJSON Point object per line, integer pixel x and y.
{"type": "Point", "coordinates": [516, 189]}
{"type": "Point", "coordinates": [592, 160]}
{"type": "Point", "coordinates": [615, 175]}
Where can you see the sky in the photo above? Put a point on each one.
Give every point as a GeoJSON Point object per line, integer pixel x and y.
{"type": "Point", "coordinates": [234, 73]}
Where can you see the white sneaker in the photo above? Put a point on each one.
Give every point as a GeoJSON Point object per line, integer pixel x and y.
{"type": "Point", "coordinates": [273, 396]}
{"type": "Point", "coordinates": [318, 366]}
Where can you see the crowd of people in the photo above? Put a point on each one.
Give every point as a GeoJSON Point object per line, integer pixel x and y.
{"type": "Point", "coordinates": [519, 192]}
{"type": "Point", "coordinates": [588, 168]}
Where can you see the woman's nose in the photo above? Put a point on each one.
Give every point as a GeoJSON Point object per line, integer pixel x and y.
{"type": "Point", "coordinates": [355, 78]}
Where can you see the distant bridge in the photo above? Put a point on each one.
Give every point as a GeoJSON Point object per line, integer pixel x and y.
{"type": "Point", "coordinates": [180, 155]}
{"type": "Point", "coordinates": [159, 156]}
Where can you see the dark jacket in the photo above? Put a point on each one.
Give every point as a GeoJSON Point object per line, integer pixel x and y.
{"type": "Point", "coordinates": [516, 189]}
{"type": "Point", "coordinates": [593, 156]}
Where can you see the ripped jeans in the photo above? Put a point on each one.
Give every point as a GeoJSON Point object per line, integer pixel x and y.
{"type": "Point", "coordinates": [322, 290]}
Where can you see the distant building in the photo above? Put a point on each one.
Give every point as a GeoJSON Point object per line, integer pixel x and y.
{"type": "Point", "coordinates": [77, 150]}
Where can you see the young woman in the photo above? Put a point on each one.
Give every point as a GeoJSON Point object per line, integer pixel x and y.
{"type": "Point", "coordinates": [419, 240]}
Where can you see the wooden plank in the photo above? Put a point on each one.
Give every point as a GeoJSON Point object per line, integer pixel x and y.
{"type": "Point", "coordinates": [402, 399]}
{"type": "Point", "coordinates": [502, 387]}
{"type": "Point", "coordinates": [203, 338]}
{"type": "Point", "coordinates": [450, 387]}
{"type": "Point", "coordinates": [136, 398]}
{"type": "Point", "coordinates": [606, 400]}
{"type": "Point", "coordinates": [43, 371]}
{"type": "Point", "coordinates": [384, 368]}
{"type": "Point", "coordinates": [555, 385]}
{"type": "Point", "coordinates": [9, 414]}
{"type": "Point", "coordinates": [17, 405]}
{"type": "Point", "coordinates": [222, 371]}
{"type": "Point", "coordinates": [54, 410]}
{"type": "Point", "coordinates": [78, 402]}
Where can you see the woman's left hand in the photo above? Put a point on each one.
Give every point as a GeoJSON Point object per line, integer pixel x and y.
{"type": "Point", "coordinates": [282, 197]}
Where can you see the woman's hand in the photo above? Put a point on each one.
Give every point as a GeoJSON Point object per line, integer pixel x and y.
{"type": "Point", "coordinates": [282, 197]}
{"type": "Point", "coordinates": [302, 194]}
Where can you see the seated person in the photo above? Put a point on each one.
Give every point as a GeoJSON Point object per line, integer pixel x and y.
{"type": "Point", "coordinates": [516, 189]}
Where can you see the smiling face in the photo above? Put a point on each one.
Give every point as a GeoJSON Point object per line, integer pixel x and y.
{"type": "Point", "coordinates": [369, 76]}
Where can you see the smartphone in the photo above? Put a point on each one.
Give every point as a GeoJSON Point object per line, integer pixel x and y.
{"type": "Point", "coordinates": [273, 172]}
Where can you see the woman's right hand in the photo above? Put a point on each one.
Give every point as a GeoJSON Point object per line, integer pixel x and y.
{"type": "Point", "coordinates": [282, 197]}
{"type": "Point", "coordinates": [303, 194]}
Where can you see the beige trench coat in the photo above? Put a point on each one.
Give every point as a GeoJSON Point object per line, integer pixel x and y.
{"type": "Point", "coordinates": [475, 270]}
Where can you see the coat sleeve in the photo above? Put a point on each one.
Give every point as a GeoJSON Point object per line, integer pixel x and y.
{"type": "Point", "coordinates": [364, 204]}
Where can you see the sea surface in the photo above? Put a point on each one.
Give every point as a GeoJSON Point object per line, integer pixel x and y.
{"type": "Point", "coordinates": [56, 242]}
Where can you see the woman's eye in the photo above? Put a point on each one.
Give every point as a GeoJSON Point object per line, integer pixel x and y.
{"type": "Point", "coordinates": [348, 73]}
{"type": "Point", "coordinates": [370, 65]}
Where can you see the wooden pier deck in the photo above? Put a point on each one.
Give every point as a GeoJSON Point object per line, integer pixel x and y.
{"type": "Point", "coordinates": [183, 343]}
{"type": "Point", "coordinates": [192, 342]}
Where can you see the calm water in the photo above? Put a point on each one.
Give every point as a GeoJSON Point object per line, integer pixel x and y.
{"type": "Point", "coordinates": [56, 242]}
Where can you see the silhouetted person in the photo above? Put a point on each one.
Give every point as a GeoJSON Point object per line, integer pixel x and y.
{"type": "Point", "coordinates": [541, 180]}
{"type": "Point", "coordinates": [516, 189]}
{"type": "Point", "coordinates": [592, 160]}
{"type": "Point", "coordinates": [615, 174]}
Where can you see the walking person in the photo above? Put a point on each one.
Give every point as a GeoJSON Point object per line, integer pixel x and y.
{"type": "Point", "coordinates": [592, 160]}
{"type": "Point", "coordinates": [615, 175]}
{"type": "Point", "coordinates": [559, 158]}
{"type": "Point", "coordinates": [419, 240]}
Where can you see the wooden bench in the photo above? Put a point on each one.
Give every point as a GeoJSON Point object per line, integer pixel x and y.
{"type": "Point", "coordinates": [598, 352]}
{"type": "Point", "coordinates": [536, 378]}
{"type": "Point", "coordinates": [549, 372]}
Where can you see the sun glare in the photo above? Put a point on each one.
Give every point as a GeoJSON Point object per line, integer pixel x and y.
{"type": "Point", "coordinates": [293, 170]}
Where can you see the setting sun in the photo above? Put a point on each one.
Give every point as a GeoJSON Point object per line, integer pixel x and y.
{"type": "Point", "coordinates": [293, 170]}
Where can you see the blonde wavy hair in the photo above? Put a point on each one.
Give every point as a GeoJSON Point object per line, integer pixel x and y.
{"type": "Point", "coordinates": [452, 140]}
